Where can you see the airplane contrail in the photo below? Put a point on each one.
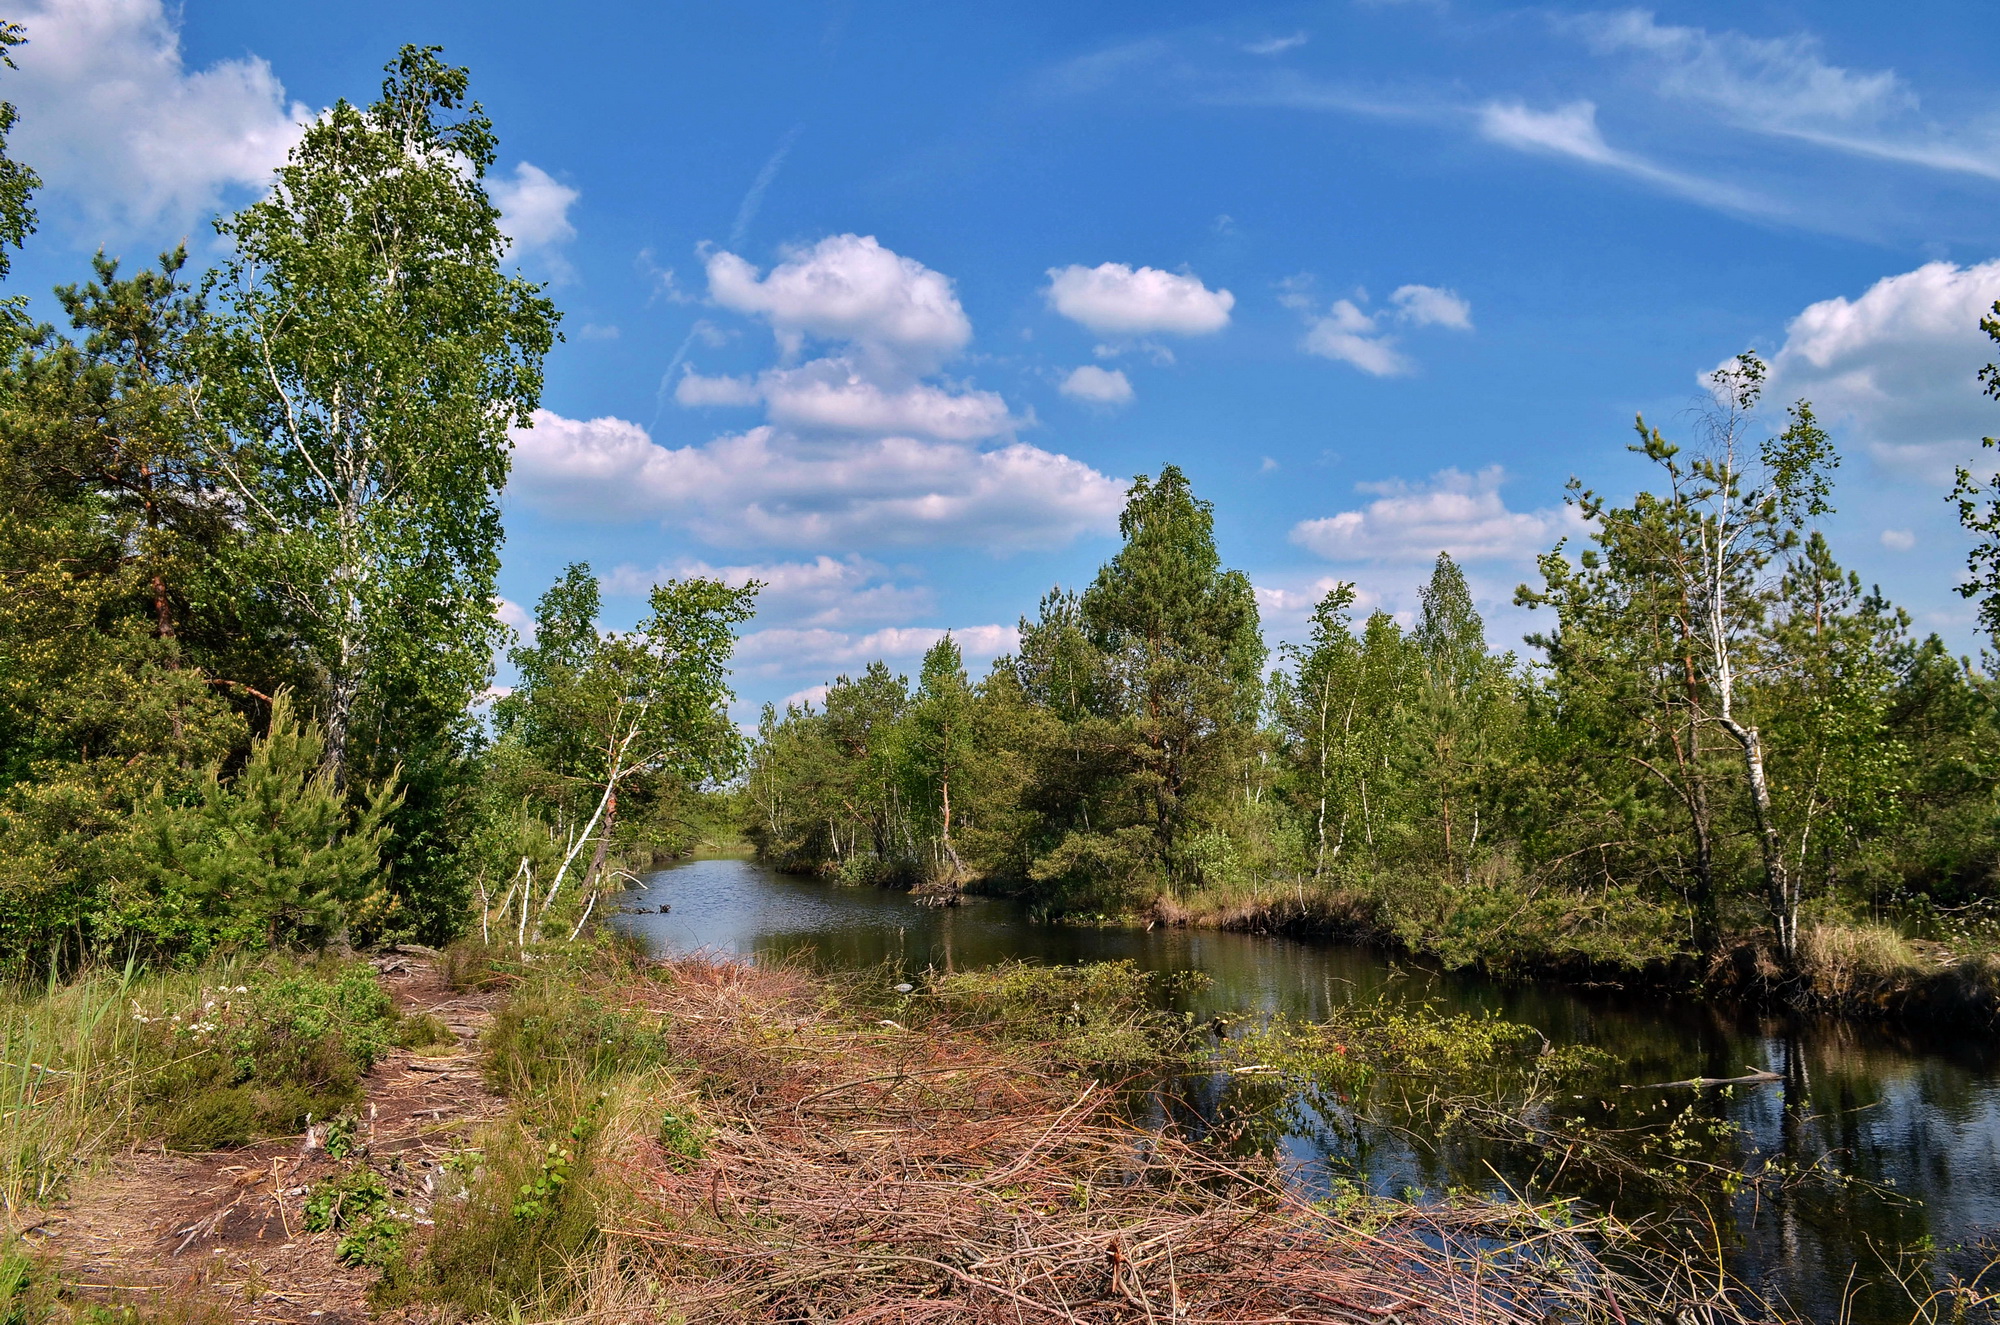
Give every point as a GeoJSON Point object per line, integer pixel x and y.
{"type": "Point", "coordinates": [746, 212]}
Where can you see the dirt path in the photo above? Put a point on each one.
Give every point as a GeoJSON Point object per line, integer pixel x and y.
{"type": "Point", "coordinates": [226, 1230]}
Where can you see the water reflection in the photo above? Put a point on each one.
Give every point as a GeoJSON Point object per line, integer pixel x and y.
{"type": "Point", "coordinates": [1906, 1129]}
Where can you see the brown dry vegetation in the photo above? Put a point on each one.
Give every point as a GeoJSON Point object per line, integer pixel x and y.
{"type": "Point", "coordinates": [800, 1160]}
{"type": "Point", "coordinates": [716, 1141]}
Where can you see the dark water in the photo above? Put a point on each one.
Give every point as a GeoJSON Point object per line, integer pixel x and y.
{"type": "Point", "coordinates": [1903, 1128]}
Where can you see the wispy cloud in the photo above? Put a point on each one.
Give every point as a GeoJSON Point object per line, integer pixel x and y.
{"type": "Point", "coordinates": [1277, 45]}
{"type": "Point", "coordinates": [1571, 131]}
{"type": "Point", "coordinates": [1784, 86]}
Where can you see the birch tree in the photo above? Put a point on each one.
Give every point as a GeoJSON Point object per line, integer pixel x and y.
{"type": "Point", "coordinates": [940, 722]}
{"type": "Point", "coordinates": [600, 709]}
{"type": "Point", "coordinates": [372, 357]}
{"type": "Point", "coordinates": [1690, 581]}
{"type": "Point", "coordinates": [1453, 701]}
{"type": "Point", "coordinates": [1318, 706]}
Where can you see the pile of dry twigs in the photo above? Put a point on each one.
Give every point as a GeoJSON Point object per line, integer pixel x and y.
{"type": "Point", "coordinates": [869, 1172]}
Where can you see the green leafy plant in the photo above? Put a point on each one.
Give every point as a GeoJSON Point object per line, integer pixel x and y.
{"type": "Point", "coordinates": [346, 1201]}
{"type": "Point", "coordinates": [341, 1134]}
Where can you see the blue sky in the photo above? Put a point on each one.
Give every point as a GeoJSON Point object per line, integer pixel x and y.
{"type": "Point", "coordinates": [884, 304]}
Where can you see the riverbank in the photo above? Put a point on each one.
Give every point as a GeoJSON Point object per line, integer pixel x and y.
{"type": "Point", "coordinates": [1843, 968]}
{"type": "Point", "coordinates": [600, 1136]}
{"type": "Point", "coordinates": [1851, 969]}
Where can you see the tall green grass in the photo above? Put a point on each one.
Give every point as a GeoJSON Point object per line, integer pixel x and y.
{"type": "Point", "coordinates": [70, 1078]}
{"type": "Point", "coordinates": [204, 1057]}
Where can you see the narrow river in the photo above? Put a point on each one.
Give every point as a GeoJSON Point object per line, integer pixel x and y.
{"type": "Point", "coordinates": [1902, 1127]}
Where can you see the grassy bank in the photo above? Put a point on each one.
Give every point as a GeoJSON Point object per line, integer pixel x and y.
{"type": "Point", "coordinates": [193, 1060]}
{"type": "Point", "coordinates": [1844, 966]}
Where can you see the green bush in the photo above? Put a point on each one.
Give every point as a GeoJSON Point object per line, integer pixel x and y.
{"type": "Point", "coordinates": [531, 1210]}
{"type": "Point", "coordinates": [1102, 1015]}
{"type": "Point", "coordinates": [259, 1056]}
{"type": "Point", "coordinates": [213, 1119]}
{"type": "Point", "coordinates": [357, 1203]}
{"type": "Point", "coordinates": [552, 1030]}
{"type": "Point", "coordinates": [346, 1201]}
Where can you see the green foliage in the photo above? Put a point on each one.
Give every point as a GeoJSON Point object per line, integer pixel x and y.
{"type": "Point", "coordinates": [1726, 738]}
{"type": "Point", "coordinates": [215, 1118]}
{"type": "Point", "coordinates": [553, 1029]}
{"type": "Point", "coordinates": [630, 720]}
{"type": "Point", "coordinates": [1102, 1016]}
{"type": "Point", "coordinates": [17, 189]}
{"type": "Point", "coordinates": [682, 1137]}
{"type": "Point", "coordinates": [276, 855]}
{"type": "Point", "coordinates": [346, 1201]}
{"type": "Point", "coordinates": [204, 1058]}
{"type": "Point", "coordinates": [356, 1204]}
{"type": "Point", "coordinates": [370, 460]}
{"type": "Point", "coordinates": [1105, 763]}
{"type": "Point", "coordinates": [530, 1212]}
{"type": "Point", "coordinates": [542, 1194]}
{"type": "Point", "coordinates": [261, 1056]}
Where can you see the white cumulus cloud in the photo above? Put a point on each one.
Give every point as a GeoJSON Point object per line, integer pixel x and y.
{"type": "Point", "coordinates": [1454, 512]}
{"type": "Point", "coordinates": [809, 697]}
{"type": "Point", "coordinates": [1431, 306]}
{"type": "Point", "coordinates": [781, 651]}
{"type": "Point", "coordinates": [824, 592]}
{"type": "Point", "coordinates": [1899, 540]}
{"type": "Point", "coordinates": [1349, 334]}
{"type": "Point", "coordinates": [1898, 365]}
{"type": "Point", "coordinates": [1113, 299]}
{"type": "Point", "coordinates": [835, 395]}
{"type": "Point", "coordinates": [696, 391]}
{"type": "Point", "coordinates": [766, 487]}
{"type": "Point", "coordinates": [893, 321]}
{"type": "Point", "coordinates": [534, 208]}
{"type": "Point", "coordinates": [515, 617]}
{"type": "Point", "coordinates": [123, 132]}
{"type": "Point", "coordinates": [1098, 386]}
{"type": "Point", "coordinates": [898, 312]}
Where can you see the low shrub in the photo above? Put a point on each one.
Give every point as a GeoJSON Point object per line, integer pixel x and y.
{"type": "Point", "coordinates": [1102, 1015]}
{"type": "Point", "coordinates": [260, 1055]}
{"type": "Point", "coordinates": [551, 1029]}
{"type": "Point", "coordinates": [534, 1206]}
{"type": "Point", "coordinates": [205, 1058]}
{"type": "Point", "coordinates": [213, 1119]}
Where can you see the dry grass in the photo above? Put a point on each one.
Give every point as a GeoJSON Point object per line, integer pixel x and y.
{"type": "Point", "coordinates": [817, 1165]}
{"type": "Point", "coordinates": [1858, 962]}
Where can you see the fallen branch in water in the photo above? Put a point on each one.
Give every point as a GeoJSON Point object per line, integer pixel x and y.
{"type": "Point", "coordinates": [1756, 1078]}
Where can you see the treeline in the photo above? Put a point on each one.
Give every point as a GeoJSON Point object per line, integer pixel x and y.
{"type": "Point", "coordinates": [249, 530]}
{"type": "Point", "coordinates": [1718, 735]}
